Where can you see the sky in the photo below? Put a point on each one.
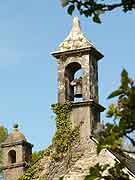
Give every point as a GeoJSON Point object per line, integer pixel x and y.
{"type": "Point", "coordinates": [29, 31]}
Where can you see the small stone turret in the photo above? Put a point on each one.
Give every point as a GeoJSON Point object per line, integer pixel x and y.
{"type": "Point", "coordinates": [77, 54]}
{"type": "Point", "coordinates": [17, 154]}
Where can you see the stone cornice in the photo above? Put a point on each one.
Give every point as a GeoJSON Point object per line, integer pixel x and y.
{"type": "Point", "coordinates": [58, 54]}
{"type": "Point", "coordinates": [3, 145]}
{"type": "Point", "coordinates": [88, 103]}
{"type": "Point", "coordinates": [15, 165]}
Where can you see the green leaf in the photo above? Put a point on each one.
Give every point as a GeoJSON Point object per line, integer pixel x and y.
{"type": "Point", "coordinates": [116, 93]}
{"type": "Point", "coordinates": [90, 177]}
{"type": "Point", "coordinates": [61, 178]}
{"type": "Point", "coordinates": [96, 19]}
{"type": "Point", "coordinates": [64, 2]}
{"type": "Point", "coordinates": [3, 134]}
{"type": "Point", "coordinates": [71, 9]}
{"type": "Point", "coordinates": [93, 173]}
{"type": "Point", "coordinates": [111, 110]}
{"type": "Point", "coordinates": [124, 79]}
{"type": "Point", "coordinates": [99, 148]}
{"type": "Point", "coordinates": [79, 6]}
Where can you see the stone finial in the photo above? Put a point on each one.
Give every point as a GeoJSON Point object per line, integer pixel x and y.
{"type": "Point", "coordinates": [75, 39]}
{"type": "Point", "coordinates": [15, 136]}
{"type": "Point", "coordinates": [15, 127]}
{"type": "Point", "coordinates": [76, 28]}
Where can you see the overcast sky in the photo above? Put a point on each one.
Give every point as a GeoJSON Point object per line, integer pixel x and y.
{"type": "Point", "coordinates": [29, 31]}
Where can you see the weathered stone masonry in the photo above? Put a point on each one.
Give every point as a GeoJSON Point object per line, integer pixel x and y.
{"type": "Point", "coordinates": [17, 154]}
{"type": "Point", "coordinates": [76, 53]}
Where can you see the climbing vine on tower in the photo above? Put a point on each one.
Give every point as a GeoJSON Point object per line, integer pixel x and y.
{"type": "Point", "coordinates": [65, 134]}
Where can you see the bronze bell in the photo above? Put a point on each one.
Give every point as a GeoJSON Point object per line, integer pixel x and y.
{"type": "Point", "coordinates": [78, 91]}
{"type": "Point", "coordinates": [77, 83]}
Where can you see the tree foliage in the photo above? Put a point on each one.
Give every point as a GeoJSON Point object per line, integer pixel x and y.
{"type": "Point", "coordinates": [111, 137]}
{"type": "Point", "coordinates": [3, 136]}
{"type": "Point", "coordinates": [114, 173]}
{"type": "Point", "coordinates": [94, 8]}
{"type": "Point", "coordinates": [36, 155]}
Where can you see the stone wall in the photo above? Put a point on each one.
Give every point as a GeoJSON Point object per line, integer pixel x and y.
{"type": "Point", "coordinates": [75, 165]}
{"type": "Point", "coordinates": [53, 169]}
{"type": "Point", "coordinates": [13, 173]}
{"type": "Point", "coordinates": [88, 63]}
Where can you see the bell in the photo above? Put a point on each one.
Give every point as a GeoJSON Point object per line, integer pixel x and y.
{"type": "Point", "coordinates": [78, 90]}
{"type": "Point", "coordinates": [77, 84]}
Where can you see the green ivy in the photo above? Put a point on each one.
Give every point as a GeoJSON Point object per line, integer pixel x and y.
{"type": "Point", "coordinates": [35, 166]}
{"type": "Point", "coordinates": [61, 178]}
{"type": "Point", "coordinates": [42, 178]}
{"type": "Point", "coordinates": [61, 142]}
{"type": "Point", "coordinates": [65, 134]}
{"type": "Point", "coordinates": [36, 156]}
{"type": "Point", "coordinates": [29, 175]}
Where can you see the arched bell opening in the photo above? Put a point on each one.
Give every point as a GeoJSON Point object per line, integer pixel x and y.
{"type": "Point", "coordinates": [73, 81]}
{"type": "Point", "coordinates": [78, 88]}
{"type": "Point", "coordinates": [12, 157]}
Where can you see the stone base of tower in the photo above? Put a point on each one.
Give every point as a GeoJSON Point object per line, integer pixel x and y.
{"type": "Point", "coordinates": [14, 172]}
{"type": "Point", "coordinates": [86, 115]}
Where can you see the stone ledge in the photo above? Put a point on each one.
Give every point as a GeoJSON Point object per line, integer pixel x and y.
{"type": "Point", "coordinates": [90, 102]}
{"type": "Point", "coordinates": [15, 165]}
{"type": "Point", "coordinates": [79, 50]}
{"type": "Point", "coordinates": [3, 145]}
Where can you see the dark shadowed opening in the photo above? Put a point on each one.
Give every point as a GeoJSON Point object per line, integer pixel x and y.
{"type": "Point", "coordinates": [72, 71]}
{"type": "Point", "coordinates": [12, 156]}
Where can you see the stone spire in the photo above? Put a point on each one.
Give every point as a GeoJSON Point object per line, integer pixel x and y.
{"type": "Point", "coordinates": [75, 39]}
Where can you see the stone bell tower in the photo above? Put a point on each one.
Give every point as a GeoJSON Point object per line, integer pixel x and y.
{"type": "Point", "coordinates": [17, 154]}
{"type": "Point", "coordinates": [77, 54]}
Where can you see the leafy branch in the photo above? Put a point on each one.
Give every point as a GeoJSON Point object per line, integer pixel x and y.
{"type": "Point", "coordinates": [94, 8]}
{"type": "Point", "coordinates": [112, 135]}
